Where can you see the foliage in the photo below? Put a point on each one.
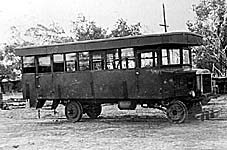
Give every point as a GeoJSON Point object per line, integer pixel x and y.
{"type": "Point", "coordinates": [9, 64]}
{"type": "Point", "coordinates": [83, 29]}
{"type": "Point", "coordinates": [211, 24]}
{"type": "Point", "coordinates": [41, 34]}
{"type": "Point", "coordinates": [11, 67]}
{"type": "Point", "coordinates": [123, 29]}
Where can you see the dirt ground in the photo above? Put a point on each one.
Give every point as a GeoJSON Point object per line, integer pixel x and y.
{"type": "Point", "coordinates": [139, 129]}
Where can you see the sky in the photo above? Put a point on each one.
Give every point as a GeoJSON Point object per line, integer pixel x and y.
{"type": "Point", "coordinates": [27, 13]}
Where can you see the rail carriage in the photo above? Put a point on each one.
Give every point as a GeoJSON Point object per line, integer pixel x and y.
{"type": "Point", "coordinates": [154, 71]}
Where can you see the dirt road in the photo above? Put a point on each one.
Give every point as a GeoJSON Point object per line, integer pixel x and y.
{"type": "Point", "coordinates": [139, 129]}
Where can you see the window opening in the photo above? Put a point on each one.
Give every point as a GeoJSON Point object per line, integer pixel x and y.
{"type": "Point", "coordinates": [58, 63]}
{"type": "Point", "coordinates": [174, 56]}
{"type": "Point", "coordinates": [84, 61]}
{"type": "Point", "coordinates": [44, 64]}
{"type": "Point", "coordinates": [148, 59]}
{"type": "Point", "coordinates": [97, 61]}
{"type": "Point", "coordinates": [112, 59]}
{"type": "Point", "coordinates": [164, 57]}
{"type": "Point", "coordinates": [29, 64]}
{"type": "Point", "coordinates": [170, 56]}
{"type": "Point", "coordinates": [71, 62]}
{"type": "Point", "coordinates": [128, 58]}
{"type": "Point", "coordinates": [186, 57]}
{"type": "Point", "coordinates": [117, 59]}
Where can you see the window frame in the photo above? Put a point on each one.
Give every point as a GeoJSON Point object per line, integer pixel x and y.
{"type": "Point", "coordinates": [128, 58]}
{"type": "Point", "coordinates": [155, 57]}
{"type": "Point", "coordinates": [49, 67]}
{"type": "Point", "coordinates": [101, 60]}
{"type": "Point", "coordinates": [75, 61]}
{"type": "Point", "coordinates": [181, 57]}
{"type": "Point", "coordinates": [33, 68]}
{"type": "Point", "coordinates": [57, 63]}
{"type": "Point", "coordinates": [88, 60]}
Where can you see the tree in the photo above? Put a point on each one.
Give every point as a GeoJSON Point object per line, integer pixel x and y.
{"type": "Point", "coordinates": [41, 34]}
{"type": "Point", "coordinates": [123, 29]}
{"type": "Point", "coordinates": [83, 29]}
{"type": "Point", "coordinates": [211, 24]}
{"type": "Point", "coordinates": [9, 64]}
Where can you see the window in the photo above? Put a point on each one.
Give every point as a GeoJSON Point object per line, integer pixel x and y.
{"type": "Point", "coordinates": [170, 56]}
{"type": "Point", "coordinates": [148, 59]}
{"type": "Point", "coordinates": [186, 56]}
{"type": "Point", "coordinates": [29, 64]}
{"type": "Point", "coordinates": [117, 61]}
{"type": "Point", "coordinates": [58, 63]}
{"type": "Point", "coordinates": [44, 64]}
{"type": "Point", "coordinates": [127, 58]}
{"type": "Point", "coordinates": [174, 56]}
{"type": "Point", "coordinates": [97, 61]}
{"type": "Point", "coordinates": [112, 59]}
{"type": "Point", "coordinates": [71, 62]}
{"type": "Point", "coordinates": [164, 57]}
{"type": "Point", "coordinates": [84, 61]}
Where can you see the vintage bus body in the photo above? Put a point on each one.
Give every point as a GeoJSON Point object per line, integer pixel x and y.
{"type": "Point", "coordinates": [154, 71]}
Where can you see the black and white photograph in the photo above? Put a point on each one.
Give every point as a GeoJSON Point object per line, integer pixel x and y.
{"type": "Point", "coordinates": [113, 75]}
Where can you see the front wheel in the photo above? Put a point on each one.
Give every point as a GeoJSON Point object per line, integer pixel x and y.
{"type": "Point", "coordinates": [177, 112]}
{"type": "Point", "coordinates": [73, 111]}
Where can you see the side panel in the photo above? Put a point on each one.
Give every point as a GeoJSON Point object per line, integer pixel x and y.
{"type": "Point", "coordinates": [29, 88]}
{"type": "Point", "coordinates": [120, 84]}
{"type": "Point", "coordinates": [149, 84]}
{"type": "Point", "coordinates": [73, 85]}
{"type": "Point", "coordinates": [113, 84]}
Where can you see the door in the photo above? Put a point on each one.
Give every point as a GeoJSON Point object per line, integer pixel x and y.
{"type": "Point", "coordinates": [149, 86]}
{"type": "Point", "coordinates": [44, 78]}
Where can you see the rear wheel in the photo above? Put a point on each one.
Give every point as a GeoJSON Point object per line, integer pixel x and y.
{"type": "Point", "coordinates": [73, 111]}
{"type": "Point", "coordinates": [177, 112]}
{"type": "Point", "coordinates": [93, 111]}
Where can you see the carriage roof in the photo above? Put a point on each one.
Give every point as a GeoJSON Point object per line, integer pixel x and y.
{"type": "Point", "coordinates": [155, 40]}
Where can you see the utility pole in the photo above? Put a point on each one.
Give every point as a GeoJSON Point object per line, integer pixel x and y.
{"type": "Point", "coordinates": [164, 17]}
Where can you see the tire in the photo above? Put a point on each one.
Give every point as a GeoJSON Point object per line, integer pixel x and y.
{"type": "Point", "coordinates": [93, 111]}
{"type": "Point", "coordinates": [73, 111]}
{"type": "Point", "coordinates": [177, 112]}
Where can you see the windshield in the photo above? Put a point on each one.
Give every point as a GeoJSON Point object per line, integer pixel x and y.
{"type": "Point", "coordinates": [175, 56]}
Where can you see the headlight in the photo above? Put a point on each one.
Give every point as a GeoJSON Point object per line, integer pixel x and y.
{"type": "Point", "coordinates": [192, 93]}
